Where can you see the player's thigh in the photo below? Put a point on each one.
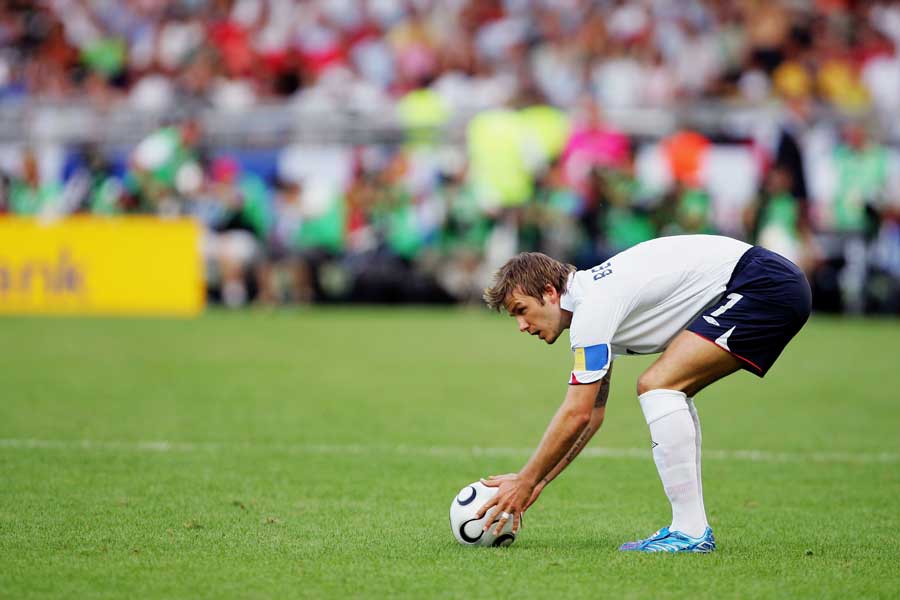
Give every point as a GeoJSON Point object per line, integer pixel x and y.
{"type": "Point", "coordinates": [689, 364]}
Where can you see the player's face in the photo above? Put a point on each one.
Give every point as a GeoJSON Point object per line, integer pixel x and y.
{"type": "Point", "coordinates": [543, 320]}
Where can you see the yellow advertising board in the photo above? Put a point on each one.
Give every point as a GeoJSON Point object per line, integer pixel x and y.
{"type": "Point", "coordinates": [90, 265]}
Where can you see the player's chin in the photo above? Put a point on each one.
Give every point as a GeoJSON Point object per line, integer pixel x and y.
{"type": "Point", "coordinates": [550, 339]}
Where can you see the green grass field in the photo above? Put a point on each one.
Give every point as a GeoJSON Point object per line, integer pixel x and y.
{"type": "Point", "coordinates": [315, 454]}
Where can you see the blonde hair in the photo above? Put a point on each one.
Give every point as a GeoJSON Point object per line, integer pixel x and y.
{"type": "Point", "coordinates": [530, 272]}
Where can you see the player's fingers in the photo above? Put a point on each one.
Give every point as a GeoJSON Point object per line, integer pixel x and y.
{"type": "Point", "coordinates": [501, 523]}
{"type": "Point", "coordinates": [487, 505]}
{"type": "Point", "coordinates": [496, 480]}
{"type": "Point", "coordinates": [517, 522]}
{"type": "Point", "coordinates": [490, 518]}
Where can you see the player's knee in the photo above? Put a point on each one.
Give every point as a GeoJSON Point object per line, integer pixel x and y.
{"type": "Point", "coordinates": [645, 383]}
{"type": "Point", "coordinates": [650, 380]}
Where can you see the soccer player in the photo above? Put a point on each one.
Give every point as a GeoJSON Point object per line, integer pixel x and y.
{"type": "Point", "coordinates": [710, 304]}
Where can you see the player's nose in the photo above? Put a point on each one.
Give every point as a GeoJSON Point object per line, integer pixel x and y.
{"type": "Point", "coordinates": [523, 325]}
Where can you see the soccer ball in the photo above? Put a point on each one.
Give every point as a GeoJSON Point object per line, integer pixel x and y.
{"type": "Point", "coordinates": [467, 529]}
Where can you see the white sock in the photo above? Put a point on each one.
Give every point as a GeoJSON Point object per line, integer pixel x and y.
{"type": "Point", "coordinates": [674, 439]}
{"type": "Point", "coordinates": [699, 437]}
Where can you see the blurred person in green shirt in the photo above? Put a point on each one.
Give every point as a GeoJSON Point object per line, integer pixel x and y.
{"type": "Point", "coordinates": [861, 167]}
{"type": "Point", "coordinates": [457, 258]}
{"type": "Point", "coordinates": [778, 220]}
{"type": "Point", "coordinates": [393, 212]}
{"type": "Point", "coordinates": [627, 217]}
{"type": "Point", "coordinates": [550, 218]}
{"type": "Point", "coordinates": [236, 209]}
{"type": "Point", "coordinates": [28, 195]}
{"type": "Point", "coordinates": [164, 168]}
{"type": "Point", "coordinates": [686, 209]}
{"type": "Point", "coordinates": [93, 188]}
{"type": "Point", "coordinates": [307, 232]}
{"type": "Point", "coordinates": [613, 216]}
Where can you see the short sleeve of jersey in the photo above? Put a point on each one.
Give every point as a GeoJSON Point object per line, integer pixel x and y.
{"type": "Point", "coordinates": [591, 335]}
{"type": "Point", "coordinates": [594, 324]}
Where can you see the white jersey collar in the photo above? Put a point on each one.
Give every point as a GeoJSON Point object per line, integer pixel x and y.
{"type": "Point", "coordinates": [567, 300]}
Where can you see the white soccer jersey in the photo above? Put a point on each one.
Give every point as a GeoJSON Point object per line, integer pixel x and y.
{"type": "Point", "coordinates": [638, 300]}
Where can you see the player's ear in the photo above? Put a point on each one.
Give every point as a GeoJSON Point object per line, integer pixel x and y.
{"type": "Point", "coordinates": [551, 293]}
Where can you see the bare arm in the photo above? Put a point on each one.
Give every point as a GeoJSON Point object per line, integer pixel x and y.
{"type": "Point", "coordinates": [588, 432]}
{"type": "Point", "coordinates": [573, 425]}
{"type": "Point", "coordinates": [575, 422]}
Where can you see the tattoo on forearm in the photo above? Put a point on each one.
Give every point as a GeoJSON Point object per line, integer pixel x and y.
{"type": "Point", "coordinates": [583, 438]}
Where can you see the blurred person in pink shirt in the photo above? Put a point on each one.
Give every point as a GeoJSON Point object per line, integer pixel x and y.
{"type": "Point", "coordinates": [593, 143]}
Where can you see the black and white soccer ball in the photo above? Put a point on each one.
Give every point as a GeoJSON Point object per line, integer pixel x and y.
{"type": "Point", "coordinates": [467, 529]}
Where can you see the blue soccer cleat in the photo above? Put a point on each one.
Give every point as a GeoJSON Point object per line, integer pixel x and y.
{"type": "Point", "coordinates": [673, 541]}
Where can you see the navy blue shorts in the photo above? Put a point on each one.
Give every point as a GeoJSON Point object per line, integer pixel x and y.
{"type": "Point", "coordinates": [766, 302]}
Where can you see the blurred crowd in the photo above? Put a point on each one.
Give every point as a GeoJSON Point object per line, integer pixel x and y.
{"type": "Point", "coordinates": [540, 165]}
{"type": "Point", "coordinates": [159, 54]}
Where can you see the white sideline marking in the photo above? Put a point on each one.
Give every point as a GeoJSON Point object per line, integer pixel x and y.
{"type": "Point", "coordinates": [439, 451]}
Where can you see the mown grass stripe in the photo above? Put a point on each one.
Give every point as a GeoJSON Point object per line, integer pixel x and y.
{"type": "Point", "coordinates": [436, 451]}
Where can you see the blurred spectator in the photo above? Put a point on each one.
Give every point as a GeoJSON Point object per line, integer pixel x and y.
{"type": "Point", "coordinates": [557, 62]}
{"type": "Point", "coordinates": [93, 187]}
{"type": "Point", "coordinates": [862, 170]}
{"type": "Point", "coordinates": [499, 167]}
{"type": "Point", "coordinates": [4, 193]}
{"type": "Point", "coordinates": [778, 220]}
{"type": "Point", "coordinates": [884, 277]}
{"type": "Point", "coordinates": [163, 169]}
{"type": "Point", "coordinates": [307, 232]}
{"type": "Point", "coordinates": [837, 77]}
{"type": "Point", "coordinates": [28, 195]}
{"type": "Point", "coordinates": [629, 217]}
{"type": "Point", "coordinates": [283, 276]}
{"type": "Point", "coordinates": [788, 155]}
{"type": "Point", "coordinates": [593, 144]}
{"type": "Point", "coordinates": [237, 53]}
{"type": "Point", "coordinates": [550, 223]}
{"type": "Point", "coordinates": [458, 264]}
{"type": "Point", "coordinates": [689, 211]}
{"type": "Point", "coordinates": [238, 218]}
{"type": "Point", "coordinates": [392, 213]}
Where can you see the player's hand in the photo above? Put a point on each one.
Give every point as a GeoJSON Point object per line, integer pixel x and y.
{"type": "Point", "coordinates": [496, 480]}
{"type": "Point", "coordinates": [537, 492]}
{"type": "Point", "coordinates": [508, 503]}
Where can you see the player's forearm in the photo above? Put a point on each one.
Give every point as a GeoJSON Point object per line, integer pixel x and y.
{"type": "Point", "coordinates": [567, 425]}
{"type": "Point", "coordinates": [580, 442]}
